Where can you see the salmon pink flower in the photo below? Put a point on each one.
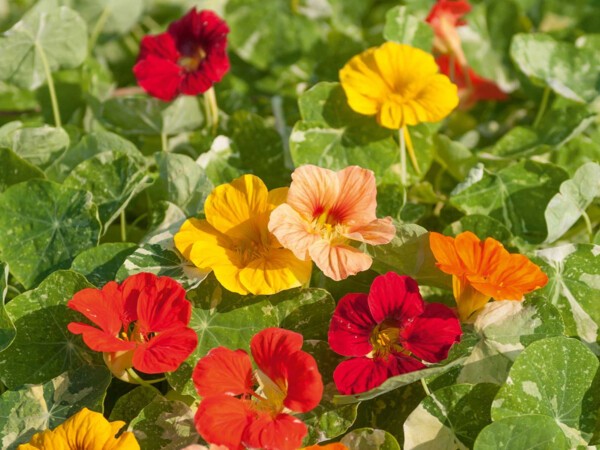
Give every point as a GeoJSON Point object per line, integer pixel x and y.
{"type": "Point", "coordinates": [471, 87]}
{"type": "Point", "coordinates": [324, 212]}
{"type": "Point", "coordinates": [483, 270]}
{"type": "Point", "coordinates": [388, 332]}
{"type": "Point", "coordinates": [241, 408]}
{"type": "Point", "coordinates": [235, 243]}
{"type": "Point", "coordinates": [188, 59]}
{"type": "Point", "coordinates": [445, 16]}
{"type": "Point", "coordinates": [143, 323]}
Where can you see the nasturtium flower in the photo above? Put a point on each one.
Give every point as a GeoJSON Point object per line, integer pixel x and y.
{"type": "Point", "coordinates": [445, 16]}
{"type": "Point", "coordinates": [324, 212]}
{"type": "Point", "coordinates": [235, 243]}
{"type": "Point", "coordinates": [472, 88]}
{"type": "Point", "coordinates": [245, 408]}
{"type": "Point", "coordinates": [482, 270]}
{"type": "Point", "coordinates": [84, 430]}
{"type": "Point", "coordinates": [188, 59]}
{"type": "Point", "coordinates": [143, 323]}
{"type": "Point", "coordinates": [399, 84]}
{"type": "Point", "coordinates": [334, 446]}
{"type": "Point", "coordinates": [388, 332]}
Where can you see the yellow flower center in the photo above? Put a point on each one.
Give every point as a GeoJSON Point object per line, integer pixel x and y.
{"type": "Point", "coordinates": [250, 250]}
{"type": "Point", "coordinates": [385, 340]}
{"type": "Point", "coordinates": [192, 62]}
{"type": "Point", "coordinates": [271, 395]}
{"type": "Point", "coordinates": [329, 228]}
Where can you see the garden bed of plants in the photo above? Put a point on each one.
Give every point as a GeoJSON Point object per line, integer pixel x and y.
{"type": "Point", "coordinates": [286, 224]}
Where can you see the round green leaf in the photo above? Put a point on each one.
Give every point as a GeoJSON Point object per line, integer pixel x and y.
{"type": "Point", "coordinates": [39, 146]}
{"type": "Point", "coordinates": [552, 377]}
{"type": "Point", "coordinates": [43, 226]}
{"type": "Point", "coordinates": [14, 169]}
{"type": "Point", "coordinates": [56, 39]}
{"type": "Point", "coordinates": [522, 433]}
{"type": "Point", "coordinates": [43, 347]}
{"type": "Point", "coordinates": [450, 417]}
{"type": "Point", "coordinates": [38, 407]}
{"type": "Point", "coordinates": [370, 439]}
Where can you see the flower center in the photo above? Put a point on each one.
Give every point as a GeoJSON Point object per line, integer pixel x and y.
{"type": "Point", "coordinates": [249, 251]}
{"type": "Point", "coordinates": [385, 339]}
{"type": "Point", "coordinates": [270, 395]}
{"type": "Point", "coordinates": [329, 227]}
{"type": "Point", "coordinates": [190, 63]}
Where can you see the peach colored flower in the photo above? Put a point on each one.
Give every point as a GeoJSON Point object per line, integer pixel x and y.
{"type": "Point", "coordinates": [324, 212]}
{"type": "Point", "coordinates": [482, 270]}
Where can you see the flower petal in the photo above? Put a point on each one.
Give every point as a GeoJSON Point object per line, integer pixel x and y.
{"type": "Point", "coordinates": [270, 343]}
{"type": "Point", "coordinates": [445, 254]}
{"type": "Point", "coordinates": [232, 208]}
{"type": "Point", "coordinates": [98, 340]}
{"type": "Point", "coordinates": [282, 432]}
{"type": "Point", "coordinates": [222, 420]}
{"type": "Point", "coordinates": [356, 202]}
{"type": "Point", "coordinates": [313, 191]}
{"type": "Point", "coordinates": [377, 232]}
{"type": "Point", "coordinates": [292, 230]}
{"type": "Point", "coordinates": [357, 375]}
{"type": "Point", "coordinates": [103, 307]}
{"type": "Point", "coordinates": [468, 299]}
{"type": "Point", "coordinates": [351, 326]}
{"type": "Point", "coordinates": [166, 351]}
{"type": "Point", "coordinates": [430, 335]}
{"type": "Point", "coordinates": [223, 371]}
{"type": "Point", "coordinates": [274, 272]}
{"type": "Point", "coordinates": [159, 77]}
{"type": "Point", "coordinates": [338, 262]}
{"type": "Point", "coordinates": [395, 297]}
{"type": "Point", "coordinates": [304, 382]}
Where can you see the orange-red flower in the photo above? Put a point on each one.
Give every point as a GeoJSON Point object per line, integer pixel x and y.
{"type": "Point", "coordinates": [445, 16]}
{"type": "Point", "coordinates": [482, 270]}
{"type": "Point", "coordinates": [235, 414]}
{"type": "Point", "coordinates": [472, 88]}
{"type": "Point", "coordinates": [143, 323]}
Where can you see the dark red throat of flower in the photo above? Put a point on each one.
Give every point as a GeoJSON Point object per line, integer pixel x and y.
{"type": "Point", "coordinates": [190, 63]}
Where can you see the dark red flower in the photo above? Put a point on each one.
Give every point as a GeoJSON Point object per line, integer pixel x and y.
{"type": "Point", "coordinates": [143, 323]}
{"type": "Point", "coordinates": [388, 332]}
{"type": "Point", "coordinates": [444, 17]}
{"type": "Point", "coordinates": [188, 59]}
{"type": "Point", "coordinates": [471, 87]}
{"type": "Point", "coordinates": [232, 413]}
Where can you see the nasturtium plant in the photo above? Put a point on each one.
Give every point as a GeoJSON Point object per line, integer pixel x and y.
{"type": "Point", "coordinates": [198, 201]}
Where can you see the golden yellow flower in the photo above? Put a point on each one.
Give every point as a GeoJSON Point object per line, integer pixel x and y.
{"type": "Point", "coordinates": [398, 83]}
{"type": "Point", "coordinates": [234, 240]}
{"type": "Point", "coordinates": [85, 430]}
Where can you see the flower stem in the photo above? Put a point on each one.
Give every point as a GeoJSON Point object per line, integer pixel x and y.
{"type": "Point", "coordinates": [164, 141]}
{"type": "Point", "coordinates": [212, 109]}
{"type": "Point", "coordinates": [50, 80]}
{"type": "Point", "coordinates": [588, 225]}
{"type": "Point", "coordinates": [403, 176]}
{"type": "Point", "coordinates": [425, 387]}
{"type": "Point", "coordinates": [542, 109]}
{"type": "Point", "coordinates": [149, 384]}
{"type": "Point", "coordinates": [123, 226]}
{"type": "Point", "coordinates": [98, 28]}
{"type": "Point", "coordinates": [411, 151]}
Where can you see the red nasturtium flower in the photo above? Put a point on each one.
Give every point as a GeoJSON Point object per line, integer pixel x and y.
{"type": "Point", "coordinates": [472, 88]}
{"type": "Point", "coordinates": [235, 414]}
{"type": "Point", "coordinates": [444, 17]}
{"type": "Point", "coordinates": [188, 59]}
{"type": "Point", "coordinates": [482, 270]}
{"type": "Point", "coordinates": [143, 323]}
{"type": "Point", "coordinates": [388, 332]}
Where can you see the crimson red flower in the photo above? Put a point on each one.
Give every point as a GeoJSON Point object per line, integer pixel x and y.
{"type": "Point", "coordinates": [444, 17]}
{"type": "Point", "coordinates": [232, 413]}
{"type": "Point", "coordinates": [188, 59]}
{"type": "Point", "coordinates": [471, 87]}
{"type": "Point", "coordinates": [388, 332]}
{"type": "Point", "coordinates": [142, 324]}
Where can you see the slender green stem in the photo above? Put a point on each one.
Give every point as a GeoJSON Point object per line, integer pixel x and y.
{"type": "Point", "coordinates": [212, 109]}
{"type": "Point", "coordinates": [13, 289]}
{"type": "Point", "coordinates": [137, 379]}
{"type": "Point", "coordinates": [425, 387]}
{"type": "Point", "coordinates": [588, 225]}
{"type": "Point", "coordinates": [403, 173]}
{"type": "Point", "coordinates": [123, 226]}
{"type": "Point", "coordinates": [50, 80]}
{"type": "Point", "coordinates": [139, 218]}
{"type": "Point", "coordinates": [164, 141]}
{"type": "Point", "coordinates": [98, 28]}
{"type": "Point", "coordinates": [543, 106]}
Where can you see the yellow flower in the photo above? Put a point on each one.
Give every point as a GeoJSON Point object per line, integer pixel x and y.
{"type": "Point", "coordinates": [85, 430]}
{"type": "Point", "coordinates": [398, 83]}
{"type": "Point", "coordinates": [234, 240]}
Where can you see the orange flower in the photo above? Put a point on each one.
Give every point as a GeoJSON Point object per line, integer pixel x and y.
{"type": "Point", "coordinates": [483, 270]}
